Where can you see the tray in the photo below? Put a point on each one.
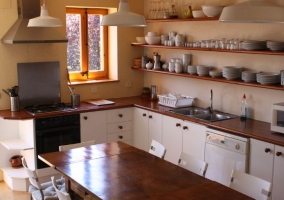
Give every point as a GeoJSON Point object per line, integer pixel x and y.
{"type": "Point", "coordinates": [184, 101]}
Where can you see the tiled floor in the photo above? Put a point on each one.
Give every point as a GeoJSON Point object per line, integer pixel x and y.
{"type": "Point", "coordinates": [7, 194]}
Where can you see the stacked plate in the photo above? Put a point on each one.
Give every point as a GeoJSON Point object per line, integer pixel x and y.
{"type": "Point", "coordinates": [215, 73]}
{"type": "Point", "coordinates": [275, 46]}
{"type": "Point", "coordinates": [266, 78]}
{"type": "Point", "coordinates": [191, 69]}
{"type": "Point", "coordinates": [249, 76]}
{"type": "Point", "coordinates": [232, 73]}
{"type": "Point", "coordinates": [203, 70]}
{"type": "Point", "coordinates": [254, 45]}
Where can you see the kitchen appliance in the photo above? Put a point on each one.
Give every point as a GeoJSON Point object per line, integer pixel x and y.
{"type": "Point", "coordinates": [223, 153]}
{"type": "Point", "coordinates": [277, 118]}
{"type": "Point", "coordinates": [47, 108]}
{"type": "Point", "coordinates": [52, 132]}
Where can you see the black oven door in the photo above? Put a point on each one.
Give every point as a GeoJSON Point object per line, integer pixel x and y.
{"type": "Point", "coordinates": [49, 140]}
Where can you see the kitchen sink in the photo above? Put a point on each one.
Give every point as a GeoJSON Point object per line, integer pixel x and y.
{"type": "Point", "coordinates": [202, 114]}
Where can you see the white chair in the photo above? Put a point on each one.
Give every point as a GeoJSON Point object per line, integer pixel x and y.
{"type": "Point", "coordinates": [61, 192]}
{"type": "Point", "coordinates": [157, 149]}
{"type": "Point", "coordinates": [77, 145]}
{"type": "Point", "coordinates": [42, 191]}
{"type": "Point", "coordinates": [251, 186]}
{"type": "Point", "coordinates": [192, 164]}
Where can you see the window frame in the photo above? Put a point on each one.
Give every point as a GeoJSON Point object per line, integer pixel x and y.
{"type": "Point", "coordinates": [97, 75]}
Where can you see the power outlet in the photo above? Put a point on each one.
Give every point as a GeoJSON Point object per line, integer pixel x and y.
{"type": "Point", "coordinates": [94, 90]}
{"type": "Point", "coordinates": [128, 84]}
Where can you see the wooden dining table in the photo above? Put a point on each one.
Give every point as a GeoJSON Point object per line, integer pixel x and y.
{"type": "Point", "coordinates": [120, 171]}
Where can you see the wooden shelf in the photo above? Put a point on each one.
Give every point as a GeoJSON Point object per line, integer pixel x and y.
{"type": "Point", "coordinates": [15, 172]}
{"type": "Point", "coordinates": [263, 52]}
{"type": "Point", "coordinates": [182, 19]}
{"type": "Point", "coordinates": [15, 144]}
{"type": "Point", "coordinates": [208, 78]}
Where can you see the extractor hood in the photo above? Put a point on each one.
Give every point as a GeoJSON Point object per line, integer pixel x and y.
{"type": "Point", "coordinates": [19, 33]}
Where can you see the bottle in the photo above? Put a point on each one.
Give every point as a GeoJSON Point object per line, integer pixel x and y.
{"type": "Point", "coordinates": [244, 108]}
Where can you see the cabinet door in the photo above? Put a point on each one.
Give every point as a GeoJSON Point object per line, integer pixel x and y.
{"type": "Point", "coordinates": [172, 138]}
{"type": "Point", "coordinates": [119, 115]}
{"type": "Point", "coordinates": [94, 126]}
{"type": "Point", "coordinates": [194, 138]}
{"type": "Point", "coordinates": [140, 129]}
{"type": "Point", "coordinates": [155, 127]}
{"type": "Point", "coordinates": [278, 174]}
{"type": "Point", "coordinates": [261, 159]}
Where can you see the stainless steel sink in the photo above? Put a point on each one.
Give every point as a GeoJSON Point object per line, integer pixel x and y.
{"type": "Point", "coordinates": [202, 114]}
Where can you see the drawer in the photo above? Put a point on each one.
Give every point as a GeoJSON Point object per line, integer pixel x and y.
{"type": "Point", "coordinates": [122, 136]}
{"type": "Point", "coordinates": [119, 127]}
{"type": "Point", "coordinates": [119, 115]}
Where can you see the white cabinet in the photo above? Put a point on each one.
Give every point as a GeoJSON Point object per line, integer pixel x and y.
{"type": "Point", "coordinates": [194, 138]}
{"type": "Point", "coordinates": [94, 126]}
{"type": "Point", "coordinates": [267, 162]}
{"type": "Point", "coordinates": [147, 125]}
{"type": "Point", "coordinates": [119, 125]}
{"type": "Point", "coordinates": [172, 138]}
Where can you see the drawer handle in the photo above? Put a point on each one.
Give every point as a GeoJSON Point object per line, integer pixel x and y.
{"type": "Point", "coordinates": [150, 117]}
{"type": "Point", "coordinates": [120, 127]}
{"type": "Point", "coordinates": [267, 150]}
{"type": "Point", "coordinates": [120, 137]}
{"type": "Point", "coordinates": [120, 115]}
{"type": "Point", "coordinates": [178, 125]}
{"type": "Point", "coordinates": [185, 128]}
{"type": "Point", "coordinates": [278, 153]}
{"type": "Point", "coordinates": [144, 115]}
{"type": "Point", "coordinates": [85, 117]}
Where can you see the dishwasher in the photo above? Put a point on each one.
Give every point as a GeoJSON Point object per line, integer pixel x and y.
{"type": "Point", "coordinates": [223, 153]}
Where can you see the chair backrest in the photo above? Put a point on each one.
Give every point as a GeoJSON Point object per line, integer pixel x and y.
{"type": "Point", "coordinates": [192, 164]}
{"type": "Point", "coordinates": [77, 145]}
{"type": "Point", "coordinates": [32, 175]}
{"type": "Point", "coordinates": [157, 149]}
{"type": "Point", "coordinates": [61, 195]}
{"type": "Point", "coordinates": [250, 185]}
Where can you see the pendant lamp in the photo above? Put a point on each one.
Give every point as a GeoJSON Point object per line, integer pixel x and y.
{"type": "Point", "coordinates": [253, 11]}
{"type": "Point", "coordinates": [44, 20]}
{"type": "Point", "coordinates": [123, 17]}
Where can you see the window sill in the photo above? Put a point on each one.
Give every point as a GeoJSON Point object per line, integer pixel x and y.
{"type": "Point", "coordinates": [92, 82]}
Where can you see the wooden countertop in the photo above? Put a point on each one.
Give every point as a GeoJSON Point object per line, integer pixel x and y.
{"type": "Point", "coordinates": [250, 128]}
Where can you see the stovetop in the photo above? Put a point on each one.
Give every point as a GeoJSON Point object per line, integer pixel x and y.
{"type": "Point", "coordinates": [48, 108]}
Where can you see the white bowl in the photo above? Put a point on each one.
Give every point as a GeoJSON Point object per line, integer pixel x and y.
{"type": "Point", "coordinates": [153, 40]}
{"type": "Point", "coordinates": [198, 14]}
{"type": "Point", "coordinates": [212, 11]}
{"type": "Point", "coordinates": [152, 34]}
{"type": "Point", "coordinates": [141, 40]}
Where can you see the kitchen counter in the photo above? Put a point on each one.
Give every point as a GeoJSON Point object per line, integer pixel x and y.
{"type": "Point", "coordinates": [249, 128]}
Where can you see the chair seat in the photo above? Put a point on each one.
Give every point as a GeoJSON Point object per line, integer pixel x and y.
{"type": "Point", "coordinates": [48, 190]}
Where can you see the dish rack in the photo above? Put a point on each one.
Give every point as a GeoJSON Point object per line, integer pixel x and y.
{"type": "Point", "coordinates": [175, 102]}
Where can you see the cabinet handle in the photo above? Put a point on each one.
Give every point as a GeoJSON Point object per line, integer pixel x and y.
{"type": "Point", "coordinates": [120, 137]}
{"type": "Point", "coordinates": [267, 150]}
{"type": "Point", "coordinates": [144, 115]}
{"type": "Point", "coordinates": [120, 115]}
{"type": "Point", "coordinates": [185, 128]}
{"type": "Point", "coordinates": [120, 127]}
{"type": "Point", "coordinates": [278, 153]}
{"type": "Point", "coordinates": [178, 125]}
{"type": "Point", "coordinates": [85, 117]}
{"type": "Point", "coordinates": [150, 117]}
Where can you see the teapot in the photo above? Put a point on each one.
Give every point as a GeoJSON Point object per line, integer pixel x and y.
{"type": "Point", "coordinates": [16, 161]}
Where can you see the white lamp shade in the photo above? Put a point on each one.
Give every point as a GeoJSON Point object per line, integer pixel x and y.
{"type": "Point", "coordinates": [253, 11]}
{"type": "Point", "coordinates": [123, 17]}
{"type": "Point", "coordinates": [44, 20]}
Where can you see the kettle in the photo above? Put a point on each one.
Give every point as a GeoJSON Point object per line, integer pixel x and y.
{"type": "Point", "coordinates": [16, 161]}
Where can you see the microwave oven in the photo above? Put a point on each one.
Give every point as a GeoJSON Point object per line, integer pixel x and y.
{"type": "Point", "coordinates": [277, 120]}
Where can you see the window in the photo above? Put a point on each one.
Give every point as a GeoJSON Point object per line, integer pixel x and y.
{"type": "Point", "coordinates": [87, 52]}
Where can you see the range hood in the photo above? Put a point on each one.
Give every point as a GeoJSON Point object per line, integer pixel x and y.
{"type": "Point", "coordinates": [19, 33]}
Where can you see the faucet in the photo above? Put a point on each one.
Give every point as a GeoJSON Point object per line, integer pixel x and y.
{"type": "Point", "coordinates": [211, 99]}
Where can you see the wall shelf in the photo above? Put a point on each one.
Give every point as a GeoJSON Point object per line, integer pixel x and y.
{"type": "Point", "coordinates": [182, 19]}
{"type": "Point", "coordinates": [16, 144]}
{"type": "Point", "coordinates": [208, 78]}
{"type": "Point", "coordinates": [263, 52]}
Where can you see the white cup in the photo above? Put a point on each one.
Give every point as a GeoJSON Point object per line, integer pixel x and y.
{"type": "Point", "coordinates": [171, 67]}
{"type": "Point", "coordinates": [178, 67]}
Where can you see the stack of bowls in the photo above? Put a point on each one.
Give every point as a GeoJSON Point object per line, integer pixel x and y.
{"type": "Point", "coordinates": [152, 38]}
{"type": "Point", "coordinates": [275, 46]}
{"type": "Point", "coordinates": [268, 78]}
{"type": "Point", "coordinates": [215, 73]}
{"type": "Point", "coordinates": [249, 76]}
{"type": "Point", "coordinates": [203, 70]}
{"type": "Point", "coordinates": [254, 45]}
{"type": "Point", "coordinates": [212, 11]}
{"type": "Point", "coordinates": [232, 73]}
{"type": "Point", "coordinates": [191, 69]}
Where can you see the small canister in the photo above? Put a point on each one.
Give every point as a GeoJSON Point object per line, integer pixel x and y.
{"type": "Point", "coordinates": [15, 103]}
{"type": "Point", "coordinates": [75, 99]}
{"type": "Point", "coordinates": [282, 77]}
{"type": "Point", "coordinates": [144, 61]}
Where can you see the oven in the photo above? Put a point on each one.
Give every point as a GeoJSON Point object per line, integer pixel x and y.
{"type": "Point", "coordinates": [52, 132]}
